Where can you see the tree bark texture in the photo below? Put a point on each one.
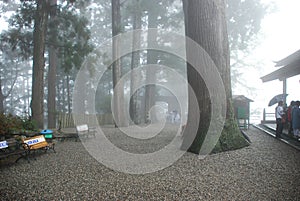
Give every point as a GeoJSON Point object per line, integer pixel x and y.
{"type": "Point", "coordinates": [206, 24]}
{"type": "Point", "coordinates": [68, 103]}
{"type": "Point", "coordinates": [119, 108]}
{"type": "Point", "coordinates": [39, 34]}
{"type": "Point", "coordinates": [53, 60]}
{"type": "Point", "coordinates": [135, 62]}
{"type": "Point", "coordinates": [151, 59]}
{"type": "Point", "coordinates": [2, 98]}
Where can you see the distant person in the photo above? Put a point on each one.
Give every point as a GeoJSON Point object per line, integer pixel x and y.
{"type": "Point", "coordinates": [177, 118]}
{"type": "Point", "coordinates": [174, 115]}
{"type": "Point", "coordinates": [289, 117]}
{"type": "Point", "coordinates": [279, 113]}
{"type": "Point", "coordinates": [296, 119]}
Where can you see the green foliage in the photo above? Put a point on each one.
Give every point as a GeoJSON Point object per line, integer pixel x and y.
{"type": "Point", "coordinates": [11, 124]}
{"type": "Point", "coordinates": [28, 125]}
{"type": "Point", "coordinates": [19, 42]}
{"type": "Point", "coordinates": [73, 39]}
{"type": "Point", "coordinates": [19, 37]}
{"type": "Point", "coordinates": [168, 14]}
{"type": "Point", "coordinates": [71, 27]}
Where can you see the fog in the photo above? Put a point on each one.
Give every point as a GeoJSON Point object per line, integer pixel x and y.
{"type": "Point", "coordinates": [277, 38]}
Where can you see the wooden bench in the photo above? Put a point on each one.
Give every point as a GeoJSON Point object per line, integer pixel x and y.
{"type": "Point", "coordinates": [83, 131]}
{"type": "Point", "coordinates": [12, 147]}
{"type": "Point", "coordinates": [38, 143]}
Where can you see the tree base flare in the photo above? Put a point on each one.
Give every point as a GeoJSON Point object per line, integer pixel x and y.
{"type": "Point", "coordinates": [231, 138]}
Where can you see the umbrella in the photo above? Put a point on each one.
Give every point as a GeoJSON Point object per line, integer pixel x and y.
{"type": "Point", "coordinates": [277, 98]}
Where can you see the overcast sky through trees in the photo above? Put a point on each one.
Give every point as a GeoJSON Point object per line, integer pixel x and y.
{"type": "Point", "coordinates": [280, 37]}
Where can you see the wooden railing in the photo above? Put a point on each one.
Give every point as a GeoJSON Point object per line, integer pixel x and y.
{"type": "Point", "coordinates": [65, 120]}
{"type": "Point", "coordinates": [268, 117]}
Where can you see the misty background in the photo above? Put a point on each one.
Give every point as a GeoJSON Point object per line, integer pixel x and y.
{"type": "Point", "coordinates": [260, 32]}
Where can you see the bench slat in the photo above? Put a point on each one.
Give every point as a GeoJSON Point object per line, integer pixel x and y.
{"type": "Point", "coordinates": [12, 147]}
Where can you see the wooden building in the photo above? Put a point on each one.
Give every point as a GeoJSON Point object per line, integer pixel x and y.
{"type": "Point", "coordinates": [241, 105]}
{"type": "Point", "coordinates": [289, 67]}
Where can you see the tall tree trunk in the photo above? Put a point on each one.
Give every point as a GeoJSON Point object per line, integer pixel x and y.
{"type": "Point", "coordinates": [206, 24]}
{"type": "Point", "coordinates": [51, 103]}
{"type": "Point", "coordinates": [135, 61]}
{"type": "Point", "coordinates": [2, 98]}
{"type": "Point", "coordinates": [39, 34]}
{"type": "Point", "coordinates": [58, 95]}
{"type": "Point", "coordinates": [69, 96]}
{"type": "Point", "coordinates": [119, 108]}
{"type": "Point", "coordinates": [151, 73]}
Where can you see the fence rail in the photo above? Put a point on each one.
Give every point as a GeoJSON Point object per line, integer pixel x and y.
{"type": "Point", "coordinates": [66, 120]}
{"type": "Point", "coordinates": [268, 117]}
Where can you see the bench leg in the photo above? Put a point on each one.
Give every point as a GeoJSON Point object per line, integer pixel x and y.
{"type": "Point", "coordinates": [25, 156]}
{"type": "Point", "coordinates": [52, 146]}
{"type": "Point", "coordinates": [33, 154]}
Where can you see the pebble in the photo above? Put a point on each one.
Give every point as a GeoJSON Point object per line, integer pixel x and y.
{"type": "Point", "coordinates": [266, 170]}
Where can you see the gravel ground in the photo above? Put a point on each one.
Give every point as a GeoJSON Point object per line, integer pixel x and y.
{"type": "Point", "coordinates": [266, 170]}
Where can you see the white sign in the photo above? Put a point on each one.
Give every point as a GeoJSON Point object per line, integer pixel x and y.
{"type": "Point", "coordinates": [34, 140]}
{"type": "Point", "coordinates": [83, 127]}
{"type": "Point", "coordinates": [3, 144]}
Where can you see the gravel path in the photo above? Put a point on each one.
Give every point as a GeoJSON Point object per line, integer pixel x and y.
{"type": "Point", "coordinates": [266, 170]}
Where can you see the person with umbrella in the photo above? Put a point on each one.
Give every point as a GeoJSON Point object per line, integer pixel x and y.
{"type": "Point", "coordinates": [289, 117]}
{"type": "Point", "coordinates": [279, 112]}
{"type": "Point", "coordinates": [296, 119]}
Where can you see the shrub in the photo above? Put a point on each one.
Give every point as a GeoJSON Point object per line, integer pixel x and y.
{"type": "Point", "coordinates": [13, 124]}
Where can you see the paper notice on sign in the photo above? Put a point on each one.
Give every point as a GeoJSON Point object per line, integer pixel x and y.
{"type": "Point", "coordinates": [3, 144]}
{"type": "Point", "coordinates": [36, 140]}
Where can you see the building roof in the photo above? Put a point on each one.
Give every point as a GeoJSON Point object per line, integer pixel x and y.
{"type": "Point", "coordinates": [289, 59]}
{"type": "Point", "coordinates": [290, 67]}
{"type": "Point", "coordinates": [241, 98]}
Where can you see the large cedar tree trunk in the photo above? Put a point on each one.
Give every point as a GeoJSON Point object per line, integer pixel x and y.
{"type": "Point", "coordinates": [151, 72]}
{"type": "Point", "coordinates": [39, 34]}
{"type": "Point", "coordinates": [135, 61]}
{"type": "Point", "coordinates": [206, 24]}
{"type": "Point", "coordinates": [119, 108]}
{"type": "Point", "coordinates": [2, 98]}
{"type": "Point", "coordinates": [51, 103]}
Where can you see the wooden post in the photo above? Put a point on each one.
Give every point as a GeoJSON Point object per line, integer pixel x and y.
{"type": "Point", "coordinates": [248, 123]}
{"type": "Point", "coordinates": [284, 90]}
